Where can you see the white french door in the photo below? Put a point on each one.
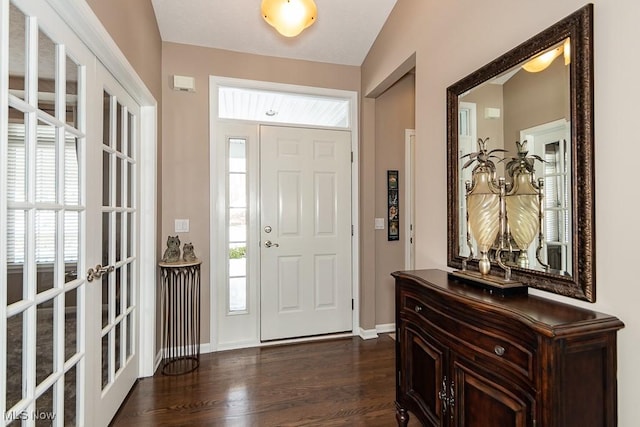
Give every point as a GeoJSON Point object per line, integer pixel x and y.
{"type": "Point", "coordinates": [549, 142]}
{"type": "Point", "coordinates": [43, 137]}
{"type": "Point", "coordinates": [112, 246]}
{"type": "Point", "coordinates": [305, 228]}
{"type": "Point", "coordinates": [68, 345]}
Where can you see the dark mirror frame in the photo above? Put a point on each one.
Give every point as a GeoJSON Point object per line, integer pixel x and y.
{"type": "Point", "coordinates": [579, 27]}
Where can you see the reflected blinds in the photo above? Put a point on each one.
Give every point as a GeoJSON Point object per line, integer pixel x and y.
{"type": "Point", "coordinates": [45, 195]}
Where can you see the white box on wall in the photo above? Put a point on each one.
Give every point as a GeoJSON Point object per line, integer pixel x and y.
{"type": "Point", "coordinates": [491, 113]}
{"type": "Point", "coordinates": [184, 83]}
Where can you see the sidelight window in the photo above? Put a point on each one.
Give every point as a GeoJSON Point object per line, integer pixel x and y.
{"type": "Point", "coordinates": [237, 224]}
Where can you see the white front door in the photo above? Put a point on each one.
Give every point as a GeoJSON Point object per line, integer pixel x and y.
{"type": "Point", "coordinates": [305, 205]}
{"type": "Point", "coordinates": [112, 317]}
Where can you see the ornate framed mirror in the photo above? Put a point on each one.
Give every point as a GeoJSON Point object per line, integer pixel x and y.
{"type": "Point", "coordinates": [541, 91]}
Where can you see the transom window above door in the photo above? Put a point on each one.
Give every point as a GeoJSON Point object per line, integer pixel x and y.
{"type": "Point", "coordinates": [279, 107]}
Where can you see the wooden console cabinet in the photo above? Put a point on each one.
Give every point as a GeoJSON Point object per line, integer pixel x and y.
{"type": "Point", "coordinates": [467, 358]}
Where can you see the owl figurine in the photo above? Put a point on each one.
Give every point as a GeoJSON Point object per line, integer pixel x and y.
{"type": "Point", "coordinates": [188, 254]}
{"type": "Point", "coordinates": [172, 253]}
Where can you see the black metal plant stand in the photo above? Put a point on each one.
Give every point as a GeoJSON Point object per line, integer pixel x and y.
{"type": "Point", "coordinates": [180, 305]}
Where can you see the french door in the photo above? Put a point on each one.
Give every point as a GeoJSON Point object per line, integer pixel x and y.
{"type": "Point", "coordinates": [68, 139]}
{"type": "Point", "coordinates": [111, 240]}
{"type": "Point", "coordinates": [43, 138]}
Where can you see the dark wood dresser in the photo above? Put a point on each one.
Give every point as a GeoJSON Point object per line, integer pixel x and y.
{"type": "Point", "coordinates": [467, 358]}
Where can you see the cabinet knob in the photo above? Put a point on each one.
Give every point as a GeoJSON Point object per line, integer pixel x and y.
{"type": "Point", "coordinates": [499, 350]}
{"type": "Point", "coordinates": [418, 309]}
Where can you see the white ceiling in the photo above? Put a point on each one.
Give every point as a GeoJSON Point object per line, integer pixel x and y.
{"type": "Point", "coordinates": [342, 34]}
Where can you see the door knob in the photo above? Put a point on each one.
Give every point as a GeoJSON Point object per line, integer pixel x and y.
{"type": "Point", "coordinates": [268, 244]}
{"type": "Point", "coordinates": [98, 272]}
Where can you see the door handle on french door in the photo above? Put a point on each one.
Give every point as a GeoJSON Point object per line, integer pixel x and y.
{"type": "Point", "coordinates": [98, 272]}
{"type": "Point", "coordinates": [268, 244]}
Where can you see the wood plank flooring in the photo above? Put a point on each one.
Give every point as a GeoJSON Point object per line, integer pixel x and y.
{"type": "Point", "coordinates": [343, 382]}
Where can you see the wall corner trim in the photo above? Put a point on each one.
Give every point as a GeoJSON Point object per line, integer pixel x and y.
{"type": "Point", "coordinates": [402, 69]}
{"type": "Point", "coordinates": [368, 334]}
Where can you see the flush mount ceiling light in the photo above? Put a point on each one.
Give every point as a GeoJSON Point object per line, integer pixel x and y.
{"type": "Point", "coordinates": [542, 61]}
{"type": "Point", "coordinates": [289, 17]}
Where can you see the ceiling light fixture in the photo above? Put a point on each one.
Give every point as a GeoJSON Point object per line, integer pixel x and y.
{"type": "Point", "coordinates": [542, 61]}
{"type": "Point", "coordinates": [289, 17]}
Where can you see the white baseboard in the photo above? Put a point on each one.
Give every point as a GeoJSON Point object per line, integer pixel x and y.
{"type": "Point", "coordinates": [365, 334]}
{"type": "Point", "coordinates": [209, 348]}
{"type": "Point", "coordinates": [386, 328]}
{"type": "Point", "coordinates": [157, 361]}
{"type": "Point", "coordinates": [206, 348]}
{"type": "Point", "coordinates": [368, 334]}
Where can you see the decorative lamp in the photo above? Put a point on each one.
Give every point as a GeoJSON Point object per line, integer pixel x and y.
{"type": "Point", "coordinates": [289, 17]}
{"type": "Point", "coordinates": [483, 204]}
{"type": "Point", "coordinates": [488, 219]}
{"type": "Point", "coordinates": [524, 202]}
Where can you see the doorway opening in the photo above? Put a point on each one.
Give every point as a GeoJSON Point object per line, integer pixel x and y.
{"type": "Point", "coordinates": [304, 118]}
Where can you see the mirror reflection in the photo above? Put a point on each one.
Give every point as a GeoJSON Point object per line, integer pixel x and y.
{"type": "Point", "coordinates": [529, 102]}
{"type": "Point", "coordinates": [541, 91]}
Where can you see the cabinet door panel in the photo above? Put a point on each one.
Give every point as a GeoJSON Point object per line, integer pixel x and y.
{"type": "Point", "coordinates": [424, 362]}
{"type": "Point", "coordinates": [481, 401]}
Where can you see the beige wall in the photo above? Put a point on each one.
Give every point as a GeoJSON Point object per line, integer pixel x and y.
{"type": "Point", "coordinates": [185, 179]}
{"type": "Point", "coordinates": [488, 96]}
{"type": "Point", "coordinates": [532, 99]}
{"type": "Point", "coordinates": [525, 100]}
{"type": "Point", "coordinates": [395, 112]}
{"type": "Point", "coordinates": [452, 39]}
{"type": "Point", "coordinates": [133, 26]}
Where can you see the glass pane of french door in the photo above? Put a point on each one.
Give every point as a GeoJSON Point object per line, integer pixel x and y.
{"type": "Point", "coordinates": [42, 146]}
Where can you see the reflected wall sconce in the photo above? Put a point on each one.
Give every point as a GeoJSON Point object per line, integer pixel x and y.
{"type": "Point", "coordinates": [289, 17]}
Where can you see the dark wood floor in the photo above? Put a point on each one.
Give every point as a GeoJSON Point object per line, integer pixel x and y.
{"type": "Point", "coordinates": [345, 382]}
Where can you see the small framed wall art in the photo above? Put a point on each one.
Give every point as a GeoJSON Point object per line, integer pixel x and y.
{"type": "Point", "coordinates": [393, 210]}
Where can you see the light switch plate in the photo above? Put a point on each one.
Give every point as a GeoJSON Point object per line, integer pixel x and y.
{"type": "Point", "coordinates": [379, 223]}
{"type": "Point", "coordinates": [181, 225]}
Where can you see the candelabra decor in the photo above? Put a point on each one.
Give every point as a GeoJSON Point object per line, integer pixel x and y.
{"type": "Point", "coordinates": [498, 211]}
